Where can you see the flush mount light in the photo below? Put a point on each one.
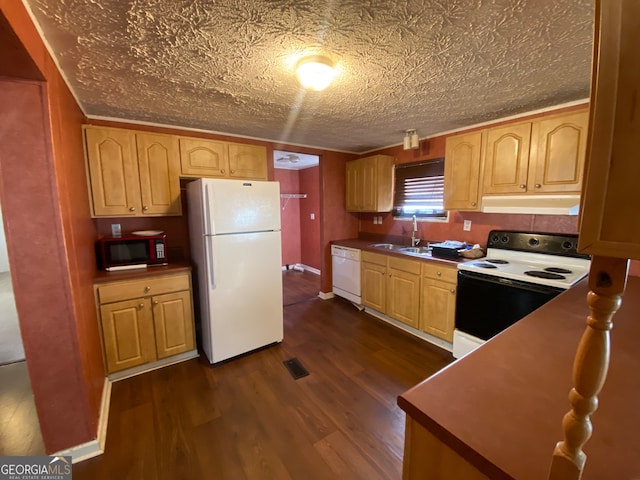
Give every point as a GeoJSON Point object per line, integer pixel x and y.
{"type": "Point", "coordinates": [315, 72]}
{"type": "Point", "coordinates": [411, 140]}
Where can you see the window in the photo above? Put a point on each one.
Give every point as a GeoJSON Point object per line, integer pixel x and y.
{"type": "Point", "coordinates": [420, 190]}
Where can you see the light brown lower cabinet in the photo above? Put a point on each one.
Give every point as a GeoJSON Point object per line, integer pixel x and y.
{"type": "Point", "coordinates": [419, 294]}
{"type": "Point", "coordinates": [145, 320]}
{"type": "Point", "coordinates": [426, 456]}
{"type": "Point", "coordinates": [438, 300]}
{"type": "Point", "coordinates": [391, 285]}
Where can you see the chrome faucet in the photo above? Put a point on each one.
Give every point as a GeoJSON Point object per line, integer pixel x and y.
{"type": "Point", "coordinates": [414, 241]}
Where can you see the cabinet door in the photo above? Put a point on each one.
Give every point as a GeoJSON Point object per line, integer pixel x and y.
{"type": "Point", "coordinates": [559, 146]}
{"type": "Point", "coordinates": [403, 294]}
{"type": "Point", "coordinates": [352, 179]}
{"type": "Point", "coordinates": [203, 158]}
{"type": "Point", "coordinates": [367, 187]}
{"type": "Point", "coordinates": [159, 174]}
{"type": "Point", "coordinates": [173, 321]}
{"type": "Point", "coordinates": [113, 172]}
{"type": "Point", "coordinates": [438, 308]}
{"type": "Point", "coordinates": [374, 286]}
{"type": "Point", "coordinates": [127, 334]}
{"type": "Point", "coordinates": [611, 194]}
{"type": "Point", "coordinates": [506, 159]}
{"type": "Point", "coordinates": [462, 171]}
{"type": "Point", "coordinates": [247, 161]}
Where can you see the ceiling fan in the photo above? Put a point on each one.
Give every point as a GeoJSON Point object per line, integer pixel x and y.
{"type": "Point", "coordinates": [289, 157]}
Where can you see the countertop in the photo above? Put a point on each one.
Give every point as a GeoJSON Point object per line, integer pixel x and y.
{"type": "Point", "coordinates": [501, 406]}
{"type": "Point", "coordinates": [174, 267]}
{"type": "Point", "coordinates": [364, 244]}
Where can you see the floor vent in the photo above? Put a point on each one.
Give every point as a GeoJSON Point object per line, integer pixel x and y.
{"type": "Point", "coordinates": [295, 368]}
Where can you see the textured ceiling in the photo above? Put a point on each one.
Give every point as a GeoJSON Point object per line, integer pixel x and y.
{"type": "Point", "coordinates": [227, 65]}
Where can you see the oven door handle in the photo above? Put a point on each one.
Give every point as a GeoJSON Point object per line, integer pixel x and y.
{"type": "Point", "coordinates": [533, 287]}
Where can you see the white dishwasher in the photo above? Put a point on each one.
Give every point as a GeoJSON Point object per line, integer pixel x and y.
{"type": "Point", "coordinates": [346, 273]}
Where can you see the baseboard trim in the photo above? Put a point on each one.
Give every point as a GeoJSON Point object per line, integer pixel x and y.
{"type": "Point", "coordinates": [132, 372]}
{"type": "Point", "coordinates": [93, 448]}
{"type": "Point", "coordinates": [300, 267]}
{"type": "Point", "coordinates": [438, 342]}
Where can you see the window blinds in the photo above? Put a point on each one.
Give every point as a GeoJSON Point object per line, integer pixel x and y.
{"type": "Point", "coordinates": [420, 189]}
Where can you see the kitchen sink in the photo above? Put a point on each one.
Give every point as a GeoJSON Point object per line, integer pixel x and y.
{"type": "Point", "coordinates": [388, 246]}
{"type": "Point", "coordinates": [404, 248]}
{"type": "Point", "coordinates": [417, 250]}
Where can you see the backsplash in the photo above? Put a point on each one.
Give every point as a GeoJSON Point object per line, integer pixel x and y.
{"type": "Point", "coordinates": [481, 225]}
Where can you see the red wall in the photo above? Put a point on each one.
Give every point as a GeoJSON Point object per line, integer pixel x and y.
{"type": "Point", "coordinates": [49, 238]}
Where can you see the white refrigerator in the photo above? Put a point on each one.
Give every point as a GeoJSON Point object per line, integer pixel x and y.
{"type": "Point", "coordinates": [234, 228]}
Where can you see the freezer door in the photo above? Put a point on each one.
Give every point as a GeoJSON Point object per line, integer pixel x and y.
{"type": "Point", "coordinates": [236, 206]}
{"type": "Point", "coordinates": [245, 294]}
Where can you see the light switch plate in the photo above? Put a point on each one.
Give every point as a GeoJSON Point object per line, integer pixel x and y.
{"type": "Point", "coordinates": [116, 230]}
{"type": "Point", "coordinates": [467, 225]}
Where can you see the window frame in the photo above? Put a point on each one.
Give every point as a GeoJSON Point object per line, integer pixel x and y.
{"type": "Point", "coordinates": [419, 170]}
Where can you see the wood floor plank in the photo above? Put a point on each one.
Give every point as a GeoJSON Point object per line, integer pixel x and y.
{"type": "Point", "coordinates": [249, 419]}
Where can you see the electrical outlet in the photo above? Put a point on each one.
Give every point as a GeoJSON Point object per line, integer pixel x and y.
{"type": "Point", "coordinates": [116, 230]}
{"type": "Point", "coordinates": [312, 216]}
{"type": "Point", "coordinates": [467, 225]}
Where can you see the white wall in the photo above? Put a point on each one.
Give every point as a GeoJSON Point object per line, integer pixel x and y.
{"type": "Point", "coordinates": [4, 256]}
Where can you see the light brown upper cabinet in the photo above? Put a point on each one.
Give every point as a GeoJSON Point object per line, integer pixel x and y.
{"type": "Point", "coordinates": [609, 224]}
{"type": "Point", "coordinates": [369, 184]}
{"type": "Point", "coordinates": [543, 156]}
{"type": "Point", "coordinates": [462, 171]}
{"type": "Point", "coordinates": [211, 158]}
{"type": "Point", "coordinates": [132, 173]}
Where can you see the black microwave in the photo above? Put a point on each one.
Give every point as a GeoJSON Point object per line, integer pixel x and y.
{"type": "Point", "coordinates": [114, 253]}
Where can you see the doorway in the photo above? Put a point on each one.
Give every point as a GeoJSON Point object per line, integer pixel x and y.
{"type": "Point", "coordinates": [299, 177]}
{"type": "Point", "coordinates": [11, 347]}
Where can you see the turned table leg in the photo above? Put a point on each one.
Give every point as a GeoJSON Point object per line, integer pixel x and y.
{"type": "Point", "coordinates": [607, 281]}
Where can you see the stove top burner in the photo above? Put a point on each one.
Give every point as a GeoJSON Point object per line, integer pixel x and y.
{"type": "Point", "coordinates": [557, 270]}
{"type": "Point", "coordinates": [543, 274]}
{"type": "Point", "coordinates": [484, 265]}
{"type": "Point", "coordinates": [497, 261]}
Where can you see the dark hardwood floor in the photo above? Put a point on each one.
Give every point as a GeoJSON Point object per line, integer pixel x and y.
{"type": "Point", "coordinates": [249, 419]}
{"type": "Point", "coordinates": [19, 426]}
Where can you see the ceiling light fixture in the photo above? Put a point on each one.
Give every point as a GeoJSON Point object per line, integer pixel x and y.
{"type": "Point", "coordinates": [411, 140]}
{"type": "Point", "coordinates": [315, 72]}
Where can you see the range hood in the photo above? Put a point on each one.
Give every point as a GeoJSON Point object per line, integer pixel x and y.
{"type": "Point", "coordinates": [532, 204]}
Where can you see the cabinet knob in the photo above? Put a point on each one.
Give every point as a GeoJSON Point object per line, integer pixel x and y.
{"type": "Point", "coordinates": [222, 171]}
{"type": "Point", "coordinates": [522, 185]}
{"type": "Point", "coordinates": [145, 208]}
{"type": "Point", "coordinates": [473, 204]}
{"type": "Point", "coordinates": [155, 302]}
{"type": "Point", "coordinates": [132, 209]}
{"type": "Point", "coordinates": [538, 185]}
{"type": "Point", "coordinates": [439, 273]}
{"type": "Point", "coordinates": [453, 290]}
{"type": "Point", "coordinates": [233, 171]}
{"type": "Point", "coordinates": [147, 289]}
{"type": "Point", "coordinates": [141, 305]}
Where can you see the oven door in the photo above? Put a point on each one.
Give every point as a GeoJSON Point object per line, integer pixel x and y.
{"type": "Point", "coordinates": [487, 305]}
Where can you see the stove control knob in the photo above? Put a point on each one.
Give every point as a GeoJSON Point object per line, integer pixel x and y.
{"type": "Point", "coordinates": [534, 242]}
{"type": "Point", "coordinates": [495, 239]}
{"type": "Point", "coordinates": [504, 239]}
{"type": "Point", "coordinates": [567, 245]}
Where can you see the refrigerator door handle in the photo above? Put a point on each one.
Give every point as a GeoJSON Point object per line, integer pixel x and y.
{"type": "Point", "coordinates": [211, 262]}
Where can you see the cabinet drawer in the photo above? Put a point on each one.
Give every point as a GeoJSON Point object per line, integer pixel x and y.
{"type": "Point", "coordinates": [376, 258]}
{"type": "Point", "coordinates": [438, 272]}
{"type": "Point", "coordinates": [114, 292]}
{"type": "Point", "coordinates": [409, 266]}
